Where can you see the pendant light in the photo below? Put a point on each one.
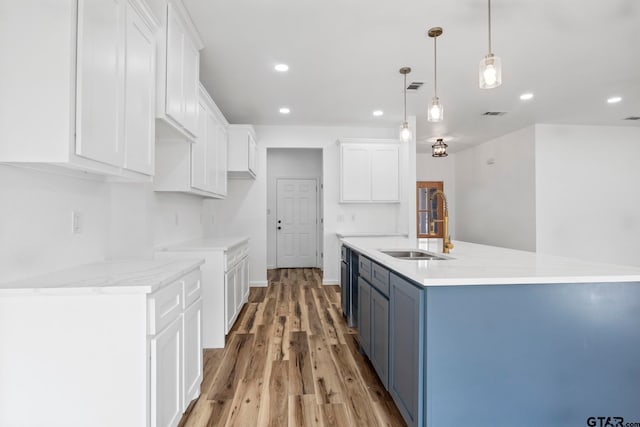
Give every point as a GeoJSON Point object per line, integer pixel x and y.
{"type": "Point", "coordinates": [439, 148]}
{"type": "Point", "coordinates": [405, 132]}
{"type": "Point", "coordinates": [436, 111]}
{"type": "Point", "coordinates": [490, 73]}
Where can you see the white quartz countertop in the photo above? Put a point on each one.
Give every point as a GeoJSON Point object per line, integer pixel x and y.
{"type": "Point", "coordinates": [207, 243]}
{"type": "Point", "coordinates": [474, 264]}
{"type": "Point", "coordinates": [112, 277]}
{"type": "Point", "coordinates": [343, 234]}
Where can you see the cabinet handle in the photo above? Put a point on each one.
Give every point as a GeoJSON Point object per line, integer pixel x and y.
{"type": "Point", "coordinates": [279, 228]}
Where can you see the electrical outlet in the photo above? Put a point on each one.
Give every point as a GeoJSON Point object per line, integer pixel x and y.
{"type": "Point", "coordinates": [76, 222]}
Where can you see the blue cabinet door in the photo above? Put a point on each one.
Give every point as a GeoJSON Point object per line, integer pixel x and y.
{"type": "Point", "coordinates": [364, 315]}
{"type": "Point", "coordinates": [406, 348]}
{"type": "Point", "coordinates": [379, 354]}
{"type": "Point", "coordinates": [344, 288]}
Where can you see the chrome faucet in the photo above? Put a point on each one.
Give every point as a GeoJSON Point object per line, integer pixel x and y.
{"type": "Point", "coordinates": [446, 239]}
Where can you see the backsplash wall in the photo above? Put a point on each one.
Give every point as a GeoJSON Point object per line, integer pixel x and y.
{"type": "Point", "coordinates": [117, 220]}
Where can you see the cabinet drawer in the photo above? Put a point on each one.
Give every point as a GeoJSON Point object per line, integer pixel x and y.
{"type": "Point", "coordinates": [192, 287]}
{"type": "Point", "coordinates": [344, 254]}
{"type": "Point", "coordinates": [380, 278]}
{"type": "Point", "coordinates": [164, 306]}
{"type": "Point", "coordinates": [235, 254]}
{"type": "Point", "coordinates": [364, 268]}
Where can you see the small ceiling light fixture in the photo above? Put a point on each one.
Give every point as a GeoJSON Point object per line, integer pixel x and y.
{"type": "Point", "coordinates": [284, 110]}
{"type": "Point", "coordinates": [490, 66]}
{"type": "Point", "coordinates": [526, 96]}
{"type": "Point", "coordinates": [439, 148]}
{"type": "Point", "coordinates": [405, 132]}
{"type": "Point", "coordinates": [614, 99]}
{"type": "Point", "coordinates": [436, 111]}
{"type": "Point", "coordinates": [378, 113]}
{"type": "Point", "coordinates": [281, 68]}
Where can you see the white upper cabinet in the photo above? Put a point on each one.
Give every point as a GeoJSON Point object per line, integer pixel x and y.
{"type": "Point", "coordinates": [87, 102]}
{"type": "Point", "coordinates": [369, 171]}
{"type": "Point", "coordinates": [178, 73]}
{"type": "Point", "coordinates": [243, 152]}
{"type": "Point", "coordinates": [199, 165]}
{"type": "Point", "coordinates": [139, 77]}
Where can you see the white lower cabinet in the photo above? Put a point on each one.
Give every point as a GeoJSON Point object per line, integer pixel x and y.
{"type": "Point", "coordinates": [166, 375]}
{"type": "Point", "coordinates": [192, 352]}
{"type": "Point", "coordinates": [225, 282]}
{"type": "Point", "coordinates": [127, 355]}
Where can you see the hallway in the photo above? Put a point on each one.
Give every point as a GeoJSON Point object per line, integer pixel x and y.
{"type": "Point", "coordinates": [290, 359]}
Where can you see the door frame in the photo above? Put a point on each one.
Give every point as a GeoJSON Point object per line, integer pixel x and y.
{"type": "Point", "coordinates": [319, 217]}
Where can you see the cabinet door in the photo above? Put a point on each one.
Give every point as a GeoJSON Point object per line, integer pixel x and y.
{"type": "Point", "coordinates": [379, 355]}
{"type": "Point", "coordinates": [238, 287]}
{"type": "Point", "coordinates": [212, 153]}
{"type": "Point", "coordinates": [139, 121]}
{"type": "Point", "coordinates": [221, 160]}
{"type": "Point", "coordinates": [245, 279]}
{"type": "Point", "coordinates": [174, 102]}
{"type": "Point", "coordinates": [364, 315]}
{"type": "Point", "coordinates": [355, 178]}
{"type": "Point", "coordinates": [406, 348]}
{"type": "Point", "coordinates": [100, 62]}
{"type": "Point", "coordinates": [192, 352]}
{"type": "Point", "coordinates": [385, 184]}
{"type": "Point", "coordinates": [190, 75]}
{"type": "Point", "coordinates": [344, 288]}
{"type": "Point", "coordinates": [253, 155]}
{"type": "Point", "coordinates": [199, 151]}
{"type": "Point", "coordinates": [166, 376]}
{"type": "Point", "coordinates": [230, 298]}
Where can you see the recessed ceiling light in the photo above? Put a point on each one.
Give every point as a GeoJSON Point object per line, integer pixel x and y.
{"type": "Point", "coordinates": [281, 67]}
{"type": "Point", "coordinates": [378, 113]}
{"type": "Point", "coordinates": [614, 99]}
{"type": "Point", "coordinates": [285, 110]}
{"type": "Point", "coordinates": [526, 96]}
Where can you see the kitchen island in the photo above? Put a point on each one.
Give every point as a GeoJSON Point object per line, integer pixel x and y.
{"type": "Point", "coordinates": [499, 337]}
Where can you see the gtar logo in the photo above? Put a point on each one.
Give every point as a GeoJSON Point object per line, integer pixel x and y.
{"type": "Point", "coordinates": [605, 422]}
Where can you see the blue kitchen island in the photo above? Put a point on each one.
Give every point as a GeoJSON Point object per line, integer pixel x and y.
{"type": "Point", "coordinates": [498, 337]}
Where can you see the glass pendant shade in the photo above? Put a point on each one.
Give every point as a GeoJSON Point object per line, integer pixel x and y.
{"type": "Point", "coordinates": [439, 149]}
{"type": "Point", "coordinates": [436, 111]}
{"type": "Point", "coordinates": [405, 132]}
{"type": "Point", "coordinates": [490, 72]}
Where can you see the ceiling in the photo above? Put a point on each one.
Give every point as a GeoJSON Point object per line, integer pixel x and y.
{"type": "Point", "coordinates": [344, 57]}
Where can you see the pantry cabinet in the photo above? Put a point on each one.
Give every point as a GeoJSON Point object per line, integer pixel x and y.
{"type": "Point", "coordinates": [369, 171]}
{"type": "Point", "coordinates": [178, 74]}
{"type": "Point", "coordinates": [89, 104]}
{"type": "Point", "coordinates": [196, 166]}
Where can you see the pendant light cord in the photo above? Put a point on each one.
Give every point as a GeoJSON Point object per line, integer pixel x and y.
{"type": "Point", "coordinates": [489, 26]}
{"type": "Point", "coordinates": [405, 97]}
{"type": "Point", "coordinates": [435, 67]}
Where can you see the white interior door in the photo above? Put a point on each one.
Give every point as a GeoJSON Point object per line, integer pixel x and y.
{"type": "Point", "coordinates": [296, 222]}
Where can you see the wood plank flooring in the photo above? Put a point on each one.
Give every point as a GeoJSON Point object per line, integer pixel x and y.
{"type": "Point", "coordinates": [291, 360]}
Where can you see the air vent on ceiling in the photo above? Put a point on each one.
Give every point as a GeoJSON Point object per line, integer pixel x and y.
{"type": "Point", "coordinates": [632, 118]}
{"type": "Point", "coordinates": [414, 85]}
{"type": "Point", "coordinates": [494, 113]}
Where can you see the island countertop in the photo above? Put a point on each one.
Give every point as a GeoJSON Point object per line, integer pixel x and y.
{"type": "Point", "coordinates": [475, 264]}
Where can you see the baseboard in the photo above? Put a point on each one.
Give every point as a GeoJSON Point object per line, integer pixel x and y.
{"type": "Point", "coordinates": [271, 267]}
{"type": "Point", "coordinates": [258, 284]}
{"type": "Point", "coordinates": [330, 282]}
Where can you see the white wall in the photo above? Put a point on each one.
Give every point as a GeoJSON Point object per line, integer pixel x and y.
{"type": "Point", "coordinates": [118, 220]}
{"type": "Point", "coordinates": [430, 168]}
{"type": "Point", "coordinates": [588, 194]}
{"type": "Point", "coordinates": [287, 163]}
{"type": "Point", "coordinates": [244, 210]}
{"type": "Point", "coordinates": [495, 192]}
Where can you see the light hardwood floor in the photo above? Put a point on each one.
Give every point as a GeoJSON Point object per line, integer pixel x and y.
{"type": "Point", "coordinates": [291, 360]}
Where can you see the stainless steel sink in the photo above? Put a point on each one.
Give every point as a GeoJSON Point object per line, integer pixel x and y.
{"type": "Point", "coordinates": [413, 254]}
